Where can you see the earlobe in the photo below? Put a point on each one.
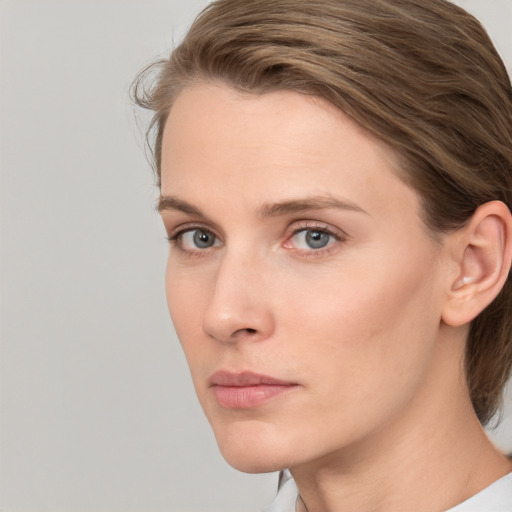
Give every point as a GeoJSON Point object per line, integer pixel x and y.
{"type": "Point", "coordinates": [483, 255]}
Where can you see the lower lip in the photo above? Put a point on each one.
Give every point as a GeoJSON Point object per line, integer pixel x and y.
{"type": "Point", "coordinates": [247, 397]}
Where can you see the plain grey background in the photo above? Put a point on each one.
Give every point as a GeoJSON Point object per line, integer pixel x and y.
{"type": "Point", "coordinates": [97, 408]}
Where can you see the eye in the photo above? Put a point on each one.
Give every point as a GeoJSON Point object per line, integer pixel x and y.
{"type": "Point", "coordinates": [312, 239]}
{"type": "Point", "coordinates": [192, 240]}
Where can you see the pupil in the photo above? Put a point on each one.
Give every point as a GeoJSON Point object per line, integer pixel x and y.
{"type": "Point", "coordinates": [317, 239]}
{"type": "Point", "coordinates": [203, 239]}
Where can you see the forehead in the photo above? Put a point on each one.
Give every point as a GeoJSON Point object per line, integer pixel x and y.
{"type": "Point", "coordinates": [214, 109]}
{"type": "Point", "coordinates": [273, 146]}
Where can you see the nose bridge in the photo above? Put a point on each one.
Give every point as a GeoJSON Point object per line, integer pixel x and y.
{"type": "Point", "coordinates": [239, 307]}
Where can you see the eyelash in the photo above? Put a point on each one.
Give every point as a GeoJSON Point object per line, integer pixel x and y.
{"type": "Point", "coordinates": [303, 226]}
{"type": "Point", "coordinates": [175, 238]}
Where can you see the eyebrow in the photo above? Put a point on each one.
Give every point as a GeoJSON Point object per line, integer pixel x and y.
{"type": "Point", "coordinates": [307, 204]}
{"type": "Point", "coordinates": [173, 203]}
{"type": "Point", "coordinates": [267, 209]}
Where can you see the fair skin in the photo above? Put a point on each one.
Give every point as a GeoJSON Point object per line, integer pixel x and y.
{"type": "Point", "coordinates": [297, 254]}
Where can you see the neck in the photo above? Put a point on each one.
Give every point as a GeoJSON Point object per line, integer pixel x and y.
{"type": "Point", "coordinates": [434, 456]}
{"type": "Point", "coordinates": [404, 481]}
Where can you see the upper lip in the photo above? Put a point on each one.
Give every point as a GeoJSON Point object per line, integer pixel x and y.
{"type": "Point", "coordinates": [245, 379]}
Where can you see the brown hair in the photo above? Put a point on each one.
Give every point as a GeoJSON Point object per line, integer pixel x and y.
{"type": "Point", "coordinates": [423, 76]}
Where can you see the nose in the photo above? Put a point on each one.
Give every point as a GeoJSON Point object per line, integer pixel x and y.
{"type": "Point", "coordinates": [240, 307]}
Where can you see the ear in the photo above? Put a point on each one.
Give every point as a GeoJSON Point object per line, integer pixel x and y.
{"type": "Point", "coordinates": [482, 251]}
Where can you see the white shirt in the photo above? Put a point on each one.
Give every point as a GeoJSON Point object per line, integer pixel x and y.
{"type": "Point", "coordinates": [495, 498]}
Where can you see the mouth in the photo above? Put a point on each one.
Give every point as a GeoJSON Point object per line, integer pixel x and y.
{"type": "Point", "coordinates": [246, 390]}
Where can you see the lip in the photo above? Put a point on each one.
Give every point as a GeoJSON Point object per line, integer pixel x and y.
{"type": "Point", "coordinates": [246, 390]}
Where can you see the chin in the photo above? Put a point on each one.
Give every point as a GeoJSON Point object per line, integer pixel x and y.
{"type": "Point", "coordinates": [253, 447]}
{"type": "Point", "coordinates": [253, 460]}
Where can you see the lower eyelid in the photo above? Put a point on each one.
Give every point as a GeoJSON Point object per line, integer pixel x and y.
{"type": "Point", "coordinates": [176, 241]}
{"type": "Point", "coordinates": [334, 237]}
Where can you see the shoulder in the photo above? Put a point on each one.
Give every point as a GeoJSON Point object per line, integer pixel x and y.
{"type": "Point", "coordinates": [495, 498]}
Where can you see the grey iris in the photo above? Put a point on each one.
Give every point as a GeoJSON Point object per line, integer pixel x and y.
{"type": "Point", "coordinates": [317, 239]}
{"type": "Point", "coordinates": [203, 239]}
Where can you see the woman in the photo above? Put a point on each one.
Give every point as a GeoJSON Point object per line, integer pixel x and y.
{"type": "Point", "coordinates": [336, 178]}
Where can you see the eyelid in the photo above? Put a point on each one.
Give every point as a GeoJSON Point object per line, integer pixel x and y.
{"type": "Point", "coordinates": [305, 225]}
{"type": "Point", "coordinates": [177, 231]}
{"type": "Point", "coordinates": [292, 230]}
{"type": "Point", "coordinates": [175, 235]}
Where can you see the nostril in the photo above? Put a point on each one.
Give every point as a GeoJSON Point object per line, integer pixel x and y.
{"type": "Point", "coordinates": [251, 331]}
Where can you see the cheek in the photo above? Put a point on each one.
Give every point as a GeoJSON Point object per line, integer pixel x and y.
{"type": "Point", "coordinates": [366, 327]}
{"type": "Point", "coordinates": [185, 296]}
{"type": "Point", "coordinates": [185, 293]}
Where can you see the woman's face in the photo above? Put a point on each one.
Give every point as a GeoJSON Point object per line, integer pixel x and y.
{"type": "Point", "coordinates": [301, 280]}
